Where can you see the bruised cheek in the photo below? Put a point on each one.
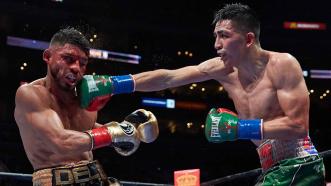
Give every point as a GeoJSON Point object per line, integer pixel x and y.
{"type": "Point", "coordinates": [56, 71]}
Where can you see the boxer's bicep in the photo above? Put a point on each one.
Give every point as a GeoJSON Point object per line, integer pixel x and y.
{"type": "Point", "coordinates": [186, 75]}
{"type": "Point", "coordinates": [47, 126]}
{"type": "Point", "coordinates": [33, 114]}
{"type": "Point", "coordinates": [37, 120]}
{"type": "Point", "coordinates": [213, 69]}
{"type": "Point", "coordinates": [163, 78]}
{"type": "Point", "coordinates": [294, 102]}
{"type": "Point", "coordinates": [293, 95]}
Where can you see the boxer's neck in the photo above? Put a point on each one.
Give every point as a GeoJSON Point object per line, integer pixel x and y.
{"type": "Point", "coordinates": [66, 97]}
{"type": "Point", "coordinates": [251, 67]}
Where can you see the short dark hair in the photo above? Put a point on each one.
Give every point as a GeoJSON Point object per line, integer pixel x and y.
{"type": "Point", "coordinates": [244, 18]}
{"type": "Point", "coordinates": [72, 36]}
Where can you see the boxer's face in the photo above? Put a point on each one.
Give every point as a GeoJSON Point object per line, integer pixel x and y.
{"type": "Point", "coordinates": [67, 65]}
{"type": "Point", "coordinates": [229, 42]}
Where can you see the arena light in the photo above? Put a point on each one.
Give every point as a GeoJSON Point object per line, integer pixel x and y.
{"type": "Point", "coordinates": [320, 74]}
{"type": "Point", "coordinates": [27, 43]}
{"type": "Point", "coordinates": [171, 104]}
{"type": "Point", "coordinates": [158, 102]}
{"type": "Point", "coordinates": [304, 25]}
{"type": "Point", "coordinates": [94, 53]}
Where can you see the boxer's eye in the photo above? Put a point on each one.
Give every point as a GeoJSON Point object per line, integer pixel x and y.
{"type": "Point", "coordinates": [68, 59]}
{"type": "Point", "coordinates": [72, 59]}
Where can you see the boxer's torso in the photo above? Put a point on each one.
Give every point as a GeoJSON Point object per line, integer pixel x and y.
{"type": "Point", "coordinates": [72, 118]}
{"type": "Point", "coordinates": [254, 99]}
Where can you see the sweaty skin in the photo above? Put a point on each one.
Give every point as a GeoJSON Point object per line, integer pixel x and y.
{"type": "Point", "coordinates": [48, 115]}
{"type": "Point", "coordinates": [262, 84]}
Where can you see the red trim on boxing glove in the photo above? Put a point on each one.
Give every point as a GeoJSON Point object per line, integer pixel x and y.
{"type": "Point", "coordinates": [98, 103]}
{"type": "Point", "coordinates": [219, 110]}
{"type": "Point", "coordinates": [100, 137]}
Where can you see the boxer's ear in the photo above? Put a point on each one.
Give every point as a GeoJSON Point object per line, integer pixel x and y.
{"type": "Point", "coordinates": [250, 39]}
{"type": "Point", "coordinates": [47, 55]}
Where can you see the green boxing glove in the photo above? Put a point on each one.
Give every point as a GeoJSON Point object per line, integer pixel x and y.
{"type": "Point", "coordinates": [224, 125]}
{"type": "Point", "coordinates": [96, 90]}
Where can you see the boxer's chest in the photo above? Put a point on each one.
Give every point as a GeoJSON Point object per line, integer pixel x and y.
{"type": "Point", "coordinates": [257, 100]}
{"type": "Point", "coordinates": [76, 119]}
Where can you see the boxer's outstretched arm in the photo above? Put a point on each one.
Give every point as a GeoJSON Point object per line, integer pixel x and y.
{"type": "Point", "coordinates": [162, 78]}
{"type": "Point", "coordinates": [294, 100]}
{"type": "Point", "coordinates": [34, 116]}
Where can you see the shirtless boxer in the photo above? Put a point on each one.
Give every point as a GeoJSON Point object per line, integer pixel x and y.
{"type": "Point", "coordinates": [269, 93]}
{"type": "Point", "coordinates": [58, 135]}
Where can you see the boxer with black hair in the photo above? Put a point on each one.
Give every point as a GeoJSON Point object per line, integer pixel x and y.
{"type": "Point", "coordinates": [58, 134]}
{"type": "Point", "coordinates": [269, 94]}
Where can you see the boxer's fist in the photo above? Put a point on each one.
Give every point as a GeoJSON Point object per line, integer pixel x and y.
{"type": "Point", "coordinates": [145, 123]}
{"type": "Point", "coordinates": [224, 125]}
{"type": "Point", "coordinates": [95, 90]}
{"type": "Point", "coordinates": [140, 125]}
{"type": "Point", "coordinates": [124, 136]}
{"type": "Point", "coordinates": [221, 125]}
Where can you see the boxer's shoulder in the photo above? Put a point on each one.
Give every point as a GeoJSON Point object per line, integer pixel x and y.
{"type": "Point", "coordinates": [214, 67]}
{"type": "Point", "coordinates": [40, 82]}
{"type": "Point", "coordinates": [34, 86]}
{"type": "Point", "coordinates": [280, 60]}
{"type": "Point", "coordinates": [33, 93]}
{"type": "Point", "coordinates": [280, 65]}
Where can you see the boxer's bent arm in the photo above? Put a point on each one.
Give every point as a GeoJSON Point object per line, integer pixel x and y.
{"type": "Point", "coordinates": [162, 78]}
{"type": "Point", "coordinates": [294, 100]}
{"type": "Point", "coordinates": [34, 115]}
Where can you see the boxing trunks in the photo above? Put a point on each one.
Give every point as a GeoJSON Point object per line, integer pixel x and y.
{"type": "Point", "coordinates": [290, 162]}
{"type": "Point", "coordinates": [84, 173]}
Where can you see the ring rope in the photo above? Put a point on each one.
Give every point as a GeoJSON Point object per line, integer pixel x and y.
{"type": "Point", "coordinates": [28, 177]}
{"type": "Point", "coordinates": [250, 173]}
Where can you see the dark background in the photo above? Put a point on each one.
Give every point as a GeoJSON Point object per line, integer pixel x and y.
{"type": "Point", "coordinates": [157, 30]}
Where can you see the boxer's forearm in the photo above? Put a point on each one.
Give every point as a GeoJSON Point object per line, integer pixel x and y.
{"type": "Point", "coordinates": [163, 78]}
{"type": "Point", "coordinates": [224, 125]}
{"type": "Point", "coordinates": [71, 142]}
{"type": "Point", "coordinates": [151, 81]}
{"type": "Point", "coordinates": [284, 128]}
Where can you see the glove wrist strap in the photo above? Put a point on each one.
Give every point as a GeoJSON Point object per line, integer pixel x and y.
{"type": "Point", "coordinates": [250, 129]}
{"type": "Point", "coordinates": [100, 137]}
{"type": "Point", "coordinates": [122, 84]}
